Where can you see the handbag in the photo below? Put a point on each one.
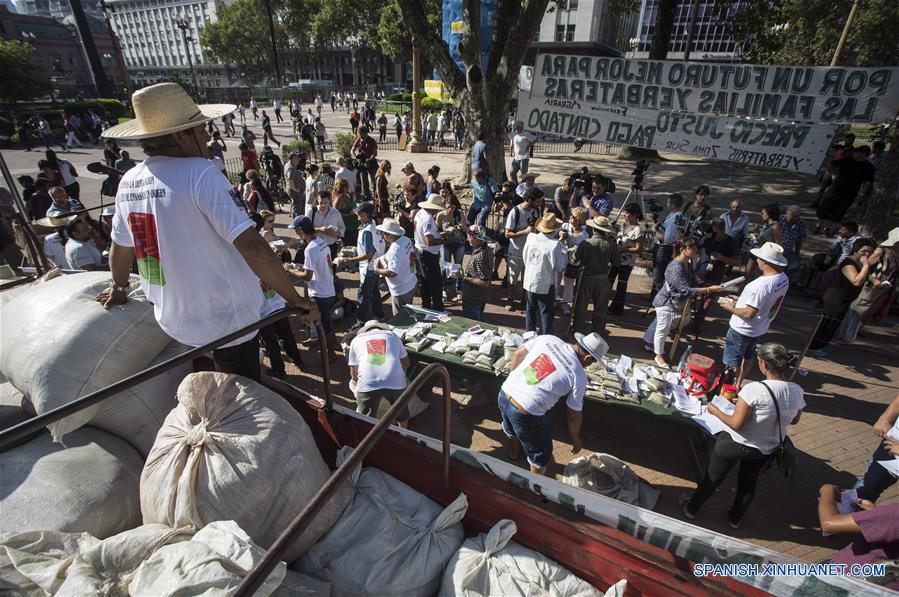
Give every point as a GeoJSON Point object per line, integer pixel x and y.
{"type": "Point", "coordinates": [784, 455]}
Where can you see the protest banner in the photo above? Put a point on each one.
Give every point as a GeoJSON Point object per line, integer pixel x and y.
{"type": "Point", "coordinates": [817, 95]}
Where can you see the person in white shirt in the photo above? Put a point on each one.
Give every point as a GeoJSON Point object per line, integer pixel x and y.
{"type": "Point", "coordinates": [378, 363]}
{"type": "Point", "coordinates": [573, 233]}
{"type": "Point", "coordinates": [736, 223]}
{"type": "Point", "coordinates": [520, 149]}
{"type": "Point", "coordinates": [528, 183]}
{"type": "Point", "coordinates": [759, 423]}
{"type": "Point", "coordinates": [398, 264]}
{"type": "Point", "coordinates": [81, 253]}
{"type": "Point", "coordinates": [519, 224]}
{"type": "Point", "coordinates": [754, 310]}
{"type": "Point", "coordinates": [370, 246]}
{"type": "Point", "coordinates": [55, 243]}
{"type": "Point", "coordinates": [328, 222]}
{"type": "Point", "coordinates": [199, 257]}
{"type": "Point", "coordinates": [347, 174]}
{"type": "Point", "coordinates": [544, 262]}
{"type": "Point", "coordinates": [427, 243]}
{"type": "Point", "coordinates": [544, 370]}
{"type": "Point", "coordinates": [318, 275]}
{"type": "Point", "coordinates": [668, 232]}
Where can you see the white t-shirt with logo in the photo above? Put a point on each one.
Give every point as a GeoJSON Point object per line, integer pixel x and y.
{"type": "Point", "coordinates": [549, 371]}
{"type": "Point", "coordinates": [272, 301]}
{"type": "Point", "coordinates": [400, 259]}
{"type": "Point", "coordinates": [182, 216]}
{"type": "Point", "coordinates": [378, 355]}
{"type": "Point", "coordinates": [765, 294]}
{"type": "Point", "coordinates": [377, 240]}
{"type": "Point", "coordinates": [760, 429]}
{"type": "Point", "coordinates": [426, 226]}
{"type": "Point", "coordinates": [79, 254]}
{"type": "Point", "coordinates": [317, 259]}
{"type": "Point", "coordinates": [521, 146]}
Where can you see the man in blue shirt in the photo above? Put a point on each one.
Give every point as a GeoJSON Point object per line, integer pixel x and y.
{"type": "Point", "coordinates": [599, 203]}
{"type": "Point", "coordinates": [479, 154]}
{"type": "Point", "coordinates": [483, 188]}
{"type": "Point", "coordinates": [370, 245]}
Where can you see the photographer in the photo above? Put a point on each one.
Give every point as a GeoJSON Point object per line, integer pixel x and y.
{"type": "Point", "coordinates": [519, 223]}
{"type": "Point", "coordinates": [566, 198]}
{"type": "Point", "coordinates": [698, 209]}
{"type": "Point", "coordinates": [599, 203]}
{"type": "Point", "coordinates": [718, 252]}
{"type": "Point", "coordinates": [503, 202]}
{"type": "Point", "coordinates": [668, 233]}
{"type": "Point", "coordinates": [483, 189]}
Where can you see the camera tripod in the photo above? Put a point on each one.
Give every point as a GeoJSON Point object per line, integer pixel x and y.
{"type": "Point", "coordinates": [637, 191]}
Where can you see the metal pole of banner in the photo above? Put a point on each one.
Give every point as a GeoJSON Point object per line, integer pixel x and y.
{"type": "Point", "coordinates": [694, 9]}
{"type": "Point", "coordinates": [838, 53]}
{"type": "Point", "coordinates": [805, 348]}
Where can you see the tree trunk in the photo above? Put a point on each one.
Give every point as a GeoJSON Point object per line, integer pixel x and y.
{"type": "Point", "coordinates": [491, 121]}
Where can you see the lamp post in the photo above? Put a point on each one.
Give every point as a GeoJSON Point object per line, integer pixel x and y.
{"type": "Point", "coordinates": [183, 25]}
{"type": "Point", "coordinates": [417, 145]}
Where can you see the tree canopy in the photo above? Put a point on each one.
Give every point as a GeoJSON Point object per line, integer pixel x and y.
{"type": "Point", "coordinates": [26, 77]}
{"type": "Point", "coordinates": [240, 36]}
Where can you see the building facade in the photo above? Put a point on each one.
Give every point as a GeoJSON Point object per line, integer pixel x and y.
{"type": "Point", "coordinates": [712, 39]}
{"type": "Point", "coordinates": [153, 44]}
{"type": "Point", "coordinates": [587, 27]}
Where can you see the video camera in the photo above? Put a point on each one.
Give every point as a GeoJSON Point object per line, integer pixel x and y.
{"type": "Point", "coordinates": [584, 180]}
{"type": "Point", "coordinates": [639, 173]}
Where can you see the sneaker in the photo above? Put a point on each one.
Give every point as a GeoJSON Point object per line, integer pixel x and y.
{"type": "Point", "coordinates": [510, 306]}
{"type": "Point", "coordinates": [684, 500]}
{"type": "Point", "coordinates": [819, 352]}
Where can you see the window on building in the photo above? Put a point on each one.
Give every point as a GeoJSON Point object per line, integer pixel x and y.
{"type": "Point", "coordinates": [572, 4]}
{"type": "Point", "coordinates": [564, 32]}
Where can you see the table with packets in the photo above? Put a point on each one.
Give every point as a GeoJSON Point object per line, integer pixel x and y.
{"type": "Point", "coordinates": [484, 351]}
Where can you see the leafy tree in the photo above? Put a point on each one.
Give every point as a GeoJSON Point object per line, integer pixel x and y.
{"type": "Point", "coordinates": [26, 77]}
{"type": "Point", "coordinates": [240, 36]}
{"type": "Point", "coordinates": [393, 40]}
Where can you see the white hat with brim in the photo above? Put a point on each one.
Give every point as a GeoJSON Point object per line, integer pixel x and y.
{"type": "Point", "coordinates": [163, 109]}
{"type": "Point", "coordinates": [593, 344]}
{"type": "Point", "coordinates": [391, 226]}
{"type": "Point", "coordinates": [108, 211]}
{"type": "Point", "coordinates": [434, 203]}
{"type": "Point", "coordinates": [373, 324]}
{"type": "Point", "coordinates": [601, 223]}
{"type": "Point", "coordinates": [56, 221]}
{"type": "Point", "coordinates": [773, 253]}
{"type": "Point", "coordinates": [548, 223]}
{"type": "Point", "coordinates": [892, 238]}
{"type": "Point", "coordinates": [526, 175]}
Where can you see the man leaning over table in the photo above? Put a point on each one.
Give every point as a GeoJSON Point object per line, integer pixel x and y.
{"type": "Point", "coordinates": [544, 370]}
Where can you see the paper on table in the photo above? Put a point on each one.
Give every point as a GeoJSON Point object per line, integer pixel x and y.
{"type": "Point", "coordinates": [672, 377]}
{"type": "Point", "coordinates": [633, 386]}
{"type": "Point", "coordinates": [725, 405]}
{"type": "Point", "coordinates": [891, 465]}
{"type": "Point", "coordinates": [624, 365]}
{"type": "Point", "coordinates": [640, 374]}
{"type": "Point", "coordinates": [893, 433]}
{"type": "Point", "coordinates": [710, 423]}
{"type": "Point", "coordinates": [685, 403]}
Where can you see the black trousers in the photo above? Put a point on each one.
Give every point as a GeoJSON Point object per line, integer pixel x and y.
{"type": "Point", "coordinates": [725, 455]}
{"type": "Point", "coordinates": [241, 359]}
{"type": "Point", "coordinates": [835, 310]}
{"type": "Point", "coordinates": [431, 281]}
{"type": "Point", "coordinates": [622, 273]}
{"type": "Point", "coordinates": [877, 479]}
{"type": "Point", "coordinates": [664, 255]}
{"type": "Point", "coordinates": [280, 330]}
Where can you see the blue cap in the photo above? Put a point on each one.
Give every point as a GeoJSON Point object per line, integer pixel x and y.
{"type": "Point", "coordinates": [302, 223]}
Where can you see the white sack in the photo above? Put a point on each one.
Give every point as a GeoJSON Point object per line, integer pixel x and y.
{"type": "Point", "coordinates": [137, 414]}
{"type": "Point", "coordinates": [493, 564]}
{"type": "Point", "coordinates": [59, 344]}
{"type": "Point", "coordinates": [611, 477]}
{"type": "Point", "coordinates": [90, 484]}
{"type": "Point", "coordinates": [234, 450]}
{"type": "Point", "coordinates": [35, 563]}
{"type": "Point", "coordinates": [391, 540]}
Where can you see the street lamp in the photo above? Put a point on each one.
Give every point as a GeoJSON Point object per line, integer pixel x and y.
{"type": "Point", "coordinates": [417, 145]}
{"type": "Point", "coordinates": [183, 25]}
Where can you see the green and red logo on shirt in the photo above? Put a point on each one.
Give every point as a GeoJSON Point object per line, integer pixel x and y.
{"type": "Point", "coordinates": [377, 351]}
{"type": "Point", "coordinates": [146, 247]}
{"type": "Point", "coordinates": [539, 369]}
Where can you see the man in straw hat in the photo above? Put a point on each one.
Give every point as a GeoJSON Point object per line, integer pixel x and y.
{"type": "Point", "coordinates": [527, 184]}
{"type": "Point", "coordinates": [544, 261]}
{"type": "Point", "coordinates": [199, 257]}
{"type": "Point", "coordinates": [755, 308]}
{"type": "Point", "coordinates": [378, 363]}
{"type": "Point", "coordinates": [427, 243]}
{"type": "Point", "coordinates": [398, 264]}
{"type": "Point", "coordinates": [544, 370]}
{"type": "Point", "coordinates": [596, 257]}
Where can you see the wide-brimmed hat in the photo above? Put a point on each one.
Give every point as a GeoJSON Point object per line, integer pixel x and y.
{"type": "Point", "coordinates": [57, 221]}
{"type": "Point", "coordinates": [601, 223]}
{"type": "Point", "coordinates": [390, 226]}
{"type": "Point", "coordinates": [434, 202]}
{"type": "Point", "coordinates": [892, 238]}
{"type": "Point", "coordinates": [527, 175]}
{"type": "Point", "coordinates": [593, 343]}
{"type": "Point", "coordinates": [773, 253]}
{"type": "Point", "coordinates": [548, 223]}
{"type": "Point", "coordinates": [162, 109]}
{"type": "Point", "coordinates": [373, 324]}
{"type": "Point", "coordinates": [408, 166]}
{"type": "Point", "coordinates": [478, 232]}
{"type": "Point", "coordinates": [109, 210]}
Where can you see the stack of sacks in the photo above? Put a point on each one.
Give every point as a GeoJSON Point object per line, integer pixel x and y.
{"type": "Point", "coordinates": [391, 540]}
{"type": "Point", "coordinates": [234, 450]}
{"type": "Point", "coordinates": [493, 564]}
{"type": "Point", "coordinates": [153, 559]}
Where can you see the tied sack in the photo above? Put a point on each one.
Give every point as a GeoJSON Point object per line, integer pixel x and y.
{"type": "Point", "coordinates": [609, 476]}
{"type": "Point", "coordinates": [59, 343]}
{"type": "Point", "coordinates": [88, 485]}
{"type": "Point", "coordinates": [493, 564]}
{"type": "Point", "coordinates": [392, 540]}
{"type": "Point", "coordinates": [234, 450]}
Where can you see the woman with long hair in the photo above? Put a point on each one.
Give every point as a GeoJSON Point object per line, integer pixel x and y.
{"type": "Point", "coordinates": [453, 229]}
{"type": "Point", "coordinates": [432, 184]}
{"type": "Point", "coordinates": [382, 188]}
{"type": "Point", "coordinates": [573, 233]}
{"type": "Point", "coordinates": [630, 244]}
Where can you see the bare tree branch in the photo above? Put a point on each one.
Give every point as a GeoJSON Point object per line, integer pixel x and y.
{"type": "Point", "coordinates": [502, 25]}
{"type": "Point", "coordinates": [522, 31]}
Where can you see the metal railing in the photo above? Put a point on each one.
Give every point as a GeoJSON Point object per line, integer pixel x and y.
{"type": "Point", "coordinates": [26, 428]}
{"type": "Point", "coordinates": [274, 554]}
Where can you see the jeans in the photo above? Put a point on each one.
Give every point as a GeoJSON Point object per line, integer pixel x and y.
{"type": "Point", "coordinates": [270, 335]}
{"type": "Point", "coordinates": [473, 311]}
{"type": "Point", "coordinates": [539, 311]}
{"type": "Point", "coordinates": [297, 202]}
{"type": "Point", "coordinates": [533, 431]}
{"type": "Point", "coordinates": [738, 348]}
{"type": "Point", "coordinates": [454, 253]}
{"type": "Point", "coordinates": [325, 306]}
{"type": "Point", "coordinates": [518, 165]}
{"type": "Point", "coordinates": [622, 273]}
{"type": "Point", "coordinates": [877, 479]}
{"type": "Point", "coordinates": [432, 281]}
{"type": "Point", "coordinates": [594, 290]}
{"type": "Point", "coordinates": [725, 455]}
{"type": "Point", "coordinates": [792, 262]}
{"type": "Point", "coordinates": [241, 359]}
{"type": "Point", "coordinates": [370, 298]}
{"type": "Point", "coordinates": [480, 211]}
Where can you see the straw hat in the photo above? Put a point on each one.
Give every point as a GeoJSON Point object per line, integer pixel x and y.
{"type": "Point", "coordinates": [162, 109]}
{"type": "Point", "coordinates": [373, 324]}
{"type": "Point", "coordinates": [593, 344]}
{"type": "Point", "coordinates": [533, 175]}
{"type": "Point", "coordinates": [548, 223]}
{"type": "Point", "coordinates": [772, 253]}
{"type": "Point", "coordinates": [601, 223]}
{"type": "Point", "coordinates": [434, 202]}
{"type": "Point", "coordinates": [391, 226]}
{"type": "Point", "coordinates": [892, 239]}
{"type": "Point", "coordinates": [56, 222]}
